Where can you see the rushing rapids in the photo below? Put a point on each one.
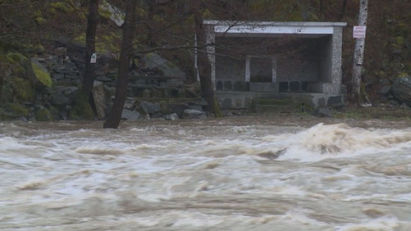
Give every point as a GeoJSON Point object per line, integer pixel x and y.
{"type": "Point", "coordinates": [204, 176]}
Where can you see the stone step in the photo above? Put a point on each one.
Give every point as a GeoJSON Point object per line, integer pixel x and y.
{"type": "Point", "coordinates": [273, 101]}
{"type": "Point", "coordinates": [279, 105]}
{"type": "Point", "coordinates": [277, 108]}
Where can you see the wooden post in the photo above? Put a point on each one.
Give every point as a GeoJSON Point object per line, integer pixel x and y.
{"type": "Point", "coordinates": [359, 53]}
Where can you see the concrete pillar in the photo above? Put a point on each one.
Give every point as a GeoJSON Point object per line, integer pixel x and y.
{"type": "Point", "coordinates": [197, 72]}
{"type": "Point", "coordinates": [274, 69]}
{"type": "Point", "coordinates": [336, 60]}
{"type": "Point", "coordinates": [247, 69]}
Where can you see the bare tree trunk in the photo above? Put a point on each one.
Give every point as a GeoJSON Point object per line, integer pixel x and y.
{"type": "Point", "coordinates": [114, 117]}
{"type": "Point", "coordinates": [343, 8]}
{"type": "Point", "coordinates": [150, 16]}
{"type": "Point", "coordinates": [204, 65]}
{"type": "Point", "coordinates": [92, 22]}
{"type": "Point", "coordinates": [359, 54]}
{"type": "Point", "coordinates": [1, 84]}
{"type": "Point", "coordinates": [321, 9]}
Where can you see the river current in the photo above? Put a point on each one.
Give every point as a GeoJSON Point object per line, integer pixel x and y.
{"type": "Point", "coordinates": [204, 176]}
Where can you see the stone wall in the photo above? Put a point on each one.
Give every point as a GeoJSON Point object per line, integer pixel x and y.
{"type": "Point", "coordinates": [152, 81]}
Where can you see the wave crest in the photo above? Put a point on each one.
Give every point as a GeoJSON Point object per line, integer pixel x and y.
{"type": "Point", "coordinates": [341, 137]}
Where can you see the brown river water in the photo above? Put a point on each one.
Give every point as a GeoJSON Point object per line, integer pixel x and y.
{"type": "Point", "coordinates": [204, 175]}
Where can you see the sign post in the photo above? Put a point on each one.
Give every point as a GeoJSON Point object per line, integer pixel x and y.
{"type": "Point", "coordinates": [93, 58]}
{"type": "Point", "coordinates": [359, 32]}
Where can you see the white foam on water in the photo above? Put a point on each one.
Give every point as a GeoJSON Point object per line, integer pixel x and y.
{"type": "Point", "coordinates": [11, 143]}
{"type": "Point", "coordinates": [309, 145]}
{"type": "Point", "coordinates": [217, 178]}
{"type": "Point", "coordinates": [379, 224]}
{"type": "Point", "coordinates": [298, 216]}
{"type": "Point", "coordinates": [391, 198]}
{"type": "Point", "coordinates": [99, 150]}
{"type": "Point", "coordinates": [196, 219]}
{"type": "Point", "coordinates": [340, 141]}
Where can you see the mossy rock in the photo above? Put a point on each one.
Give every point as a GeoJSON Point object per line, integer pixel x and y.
{"type": "Point", "coordinates": [15, 62]}
{"type": "Point", "coordinates": [55, 113]}
{"type": "Point", "coordinates": [23, 89]}
{"type": "Point", "coordinates": [15, 57]}
{"type": "Point", "coordinates": [42, 75]}
{"type": "Point", "coordinates": [81, 109]}
{"type": "Point", "coordinates": [6, 93]}
{"type": "Point", "coordinates": [19, 109]}
{"type": "Point", "coordinates": [13, 111]}
{"type": "Point", "coordinates": [43, 114]}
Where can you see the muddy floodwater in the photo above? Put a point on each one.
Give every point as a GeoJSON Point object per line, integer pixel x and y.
{"type": "Point", "coordinates": [204, 175]}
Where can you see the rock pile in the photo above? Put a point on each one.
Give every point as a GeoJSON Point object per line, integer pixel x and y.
{"type": "Point", "coordinates": [401, 89]}
{"type": "Point", "coordinates": [137, 109]}
{"type": "Point", "coordinates": [399, 92]}
{"type": "Point", "coordinates": [155, 90]}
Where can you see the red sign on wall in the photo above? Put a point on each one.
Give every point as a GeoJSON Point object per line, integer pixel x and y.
{"type": "Point", "coordinates": [359, 32]}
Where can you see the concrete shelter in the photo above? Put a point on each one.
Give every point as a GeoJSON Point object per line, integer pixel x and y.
{"type": "Point", "coordinates": [275, 59]}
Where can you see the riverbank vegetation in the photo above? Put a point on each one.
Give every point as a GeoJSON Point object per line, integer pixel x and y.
{"type": "Point", "coordinates": [43, 44]}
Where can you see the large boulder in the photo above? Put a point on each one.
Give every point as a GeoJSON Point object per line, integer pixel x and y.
{"type": "Point", "coordinates": [194, 114]}
{"type": "Point", "coordinates": [167, 68]}
{"type": "Point", "coordinates": [13, 111]}
{"type": "Point", "coordinates": [130, 103]}
{"type": "Point", "coordinates": [43, 114]}
{"type": "Point", "coordinates": [172, 117]}
{"type": "Point", "coordinates": [130, 115]}
{"type": "Point", "coordinates": [150, 108]}
{"type": "Point", "coordinates": [385, 90]}
{"type": "Point", "coordinates": [61, 95]}
{"type": "Point", "coordinates": [401, 90]}
{"type": "Point", "coordinates": [178, 108]}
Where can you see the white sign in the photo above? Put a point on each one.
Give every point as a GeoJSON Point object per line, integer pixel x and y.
{"type": "Point", "coordinates": [93, 58]}
{"type": "Point", "coordinates": [359, 32]}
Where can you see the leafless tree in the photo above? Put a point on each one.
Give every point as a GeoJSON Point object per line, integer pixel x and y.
{"type": "Point", "coordinates": [207, 88]}
{"type": "Point", "coordinates": [129, 28]}
{"type": "Point", "coordinates": [92, 22]}
{"type": "Point", "coordinates": [359, 53]}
